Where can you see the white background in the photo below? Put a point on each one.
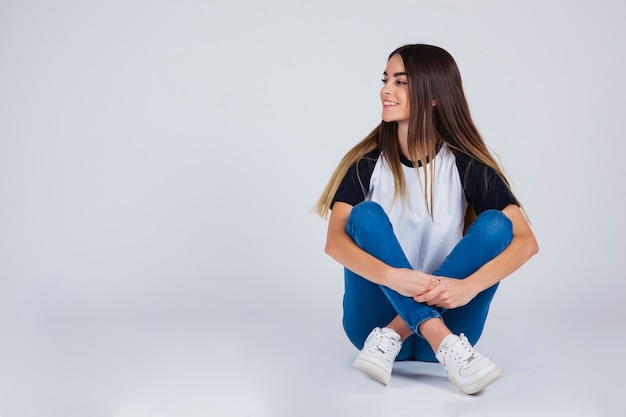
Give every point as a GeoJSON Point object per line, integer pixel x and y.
{"type": "Point", "coordinates": [159, 161]}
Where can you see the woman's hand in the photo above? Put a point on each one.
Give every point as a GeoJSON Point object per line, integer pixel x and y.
{"type": "Point", "coordinates": [411, 283]}
{"type": "Point", "coordinates": [450, 293]}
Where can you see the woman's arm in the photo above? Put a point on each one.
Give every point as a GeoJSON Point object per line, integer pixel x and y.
{"type": "Point", "coordinates": [342, 248]}
{"type": "Point", "coordinates": [452, 293]}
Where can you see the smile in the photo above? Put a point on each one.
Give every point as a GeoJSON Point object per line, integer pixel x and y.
{"type": "Point", "coordinates": [388, 103]}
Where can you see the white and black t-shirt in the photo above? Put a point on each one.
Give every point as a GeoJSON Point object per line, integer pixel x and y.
{"type": "Point", "coordinates": [458, 181]}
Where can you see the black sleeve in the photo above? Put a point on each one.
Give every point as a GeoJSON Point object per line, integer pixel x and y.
{"type": "Point", "coordinates": [483, 187]}
{"type": "Point", "coordinates": [355, 185]}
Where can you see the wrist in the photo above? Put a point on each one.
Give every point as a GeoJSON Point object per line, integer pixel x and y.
{"type": "Point", "coordinates": [472, 286]}
{"type": "Point", "coordinates": [389, 276]}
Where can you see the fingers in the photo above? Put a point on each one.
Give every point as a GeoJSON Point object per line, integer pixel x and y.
{"type": "Point", "coordinates": [432, 296]}
{"type": "Point", "coordinates": [428, 296]}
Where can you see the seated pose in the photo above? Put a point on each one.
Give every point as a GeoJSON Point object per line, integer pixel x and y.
{"type": "Point", "coordinates": [425, 224]}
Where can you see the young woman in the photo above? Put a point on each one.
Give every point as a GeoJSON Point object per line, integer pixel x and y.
{"type": "Point", "coordinates": [418, 283]}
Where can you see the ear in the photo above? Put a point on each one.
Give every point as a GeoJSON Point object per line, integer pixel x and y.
{"type": "Point", "coordinates": [434, 103]}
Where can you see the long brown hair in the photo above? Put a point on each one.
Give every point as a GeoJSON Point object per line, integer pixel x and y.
{"type": "Point", "coordinates": [432, 75]}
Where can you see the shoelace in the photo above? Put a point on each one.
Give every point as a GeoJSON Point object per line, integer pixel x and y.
{"type": "Point", "coordinates": [386, 345]}
{"type": "Point", "coordinates": [462, 351]}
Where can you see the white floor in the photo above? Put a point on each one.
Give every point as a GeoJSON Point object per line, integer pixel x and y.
{"type": "Point", "coordinates": [270, 366]}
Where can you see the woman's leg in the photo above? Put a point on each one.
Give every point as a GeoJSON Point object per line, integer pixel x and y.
{"type": "Point", "coordinates": [368, 305]}
{"type": "Point", "coordinates": [489, 235]}
{"type": "Point", "coordinates": [365, 307]}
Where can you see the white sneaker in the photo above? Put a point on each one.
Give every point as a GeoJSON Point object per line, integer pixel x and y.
{"type": "Point", "coordinates": [378, 354]}
{"type": "Point", "coordinates": [466, 368]}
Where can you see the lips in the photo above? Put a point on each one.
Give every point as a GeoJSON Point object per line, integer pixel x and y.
{"type": "Point", "coordinates": [388, 103]}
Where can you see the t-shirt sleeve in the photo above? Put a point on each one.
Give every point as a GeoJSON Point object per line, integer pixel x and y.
{"type": "Point", "coordinates": [482, 185]}
{"type": "Point", "coordinates": [354, 186]}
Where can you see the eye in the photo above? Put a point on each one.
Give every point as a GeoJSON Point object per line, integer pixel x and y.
{"type": "Point", "coordinates": [384, 80]}
{"type": "Point", "coordinates": [399, 82]}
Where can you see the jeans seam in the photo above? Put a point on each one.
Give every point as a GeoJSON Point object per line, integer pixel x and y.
{"type": "Point", "coordinates": [422, 318]}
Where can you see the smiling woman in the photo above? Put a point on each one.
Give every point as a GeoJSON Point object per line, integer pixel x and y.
{"type": "Point", "coordinates": [418, 283]}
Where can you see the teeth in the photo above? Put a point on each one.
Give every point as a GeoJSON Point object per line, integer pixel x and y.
{"type": "Point", "coordinates": [390, 103]}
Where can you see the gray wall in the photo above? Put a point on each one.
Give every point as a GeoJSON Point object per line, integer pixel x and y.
{"type": "Point", "coordinates": [159, 159]}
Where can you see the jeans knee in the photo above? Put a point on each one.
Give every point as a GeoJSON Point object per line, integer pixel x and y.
{"type": "Point", "coordinates": [494, 226]}
{"type": "Point", "coordinates": [367, 221]}
{"type": "Point", "coordinates": [366, 209]}
{"type": "Point", "coordinates": [365, 213]}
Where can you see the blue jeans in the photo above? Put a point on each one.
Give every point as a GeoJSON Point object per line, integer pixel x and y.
{"type": "Point", "coordinates": [367, 305]}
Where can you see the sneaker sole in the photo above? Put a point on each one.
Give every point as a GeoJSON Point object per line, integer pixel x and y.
{"type": "Point", "coordinates": [372, 370]}
{"type": "Point", "coordinates": [481, 383]}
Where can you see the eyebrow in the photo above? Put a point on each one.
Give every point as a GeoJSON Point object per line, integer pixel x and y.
{"type": "Point", "coordinates": [396, 74]}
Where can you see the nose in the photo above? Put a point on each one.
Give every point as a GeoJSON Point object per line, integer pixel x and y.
{"type": "Point", "coordinates": [387, 89]}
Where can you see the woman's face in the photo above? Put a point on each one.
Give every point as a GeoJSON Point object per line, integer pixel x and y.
{"type": "Point", "coordinates": [395, 92]}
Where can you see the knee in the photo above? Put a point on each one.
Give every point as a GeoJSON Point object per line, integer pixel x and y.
{"type": "Point", "coordinates": [493, 226]}
{"type": "Point", "coordinates": [494, 222]}
{"type": "Point", "coordinates": [366, 213]}
{"type": "Point", "coordinates": [366, 209]}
